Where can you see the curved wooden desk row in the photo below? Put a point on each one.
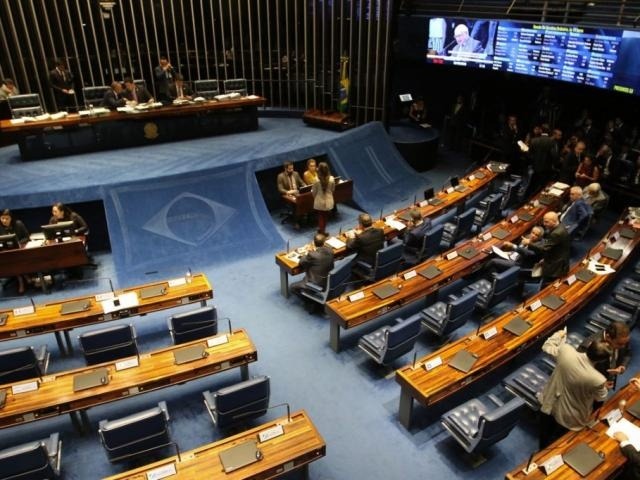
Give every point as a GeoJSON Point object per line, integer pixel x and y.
{"type": "Point", "coordinates": [432, 386]}
{"type": "Point", "coordinates": [475, 181]}
{"type": "Point", "coordinates": [55, 393]}
{"type": "Point", "coordinates": [49, 317]}
{"type": "Point", "coordinates": [595, 437]}
{"type": "Point", "coordinates": [453, 265]}
{"type": "Point", "coordinates": [44, 258]}
{"type": "Point", "coordinates": [300, 445]}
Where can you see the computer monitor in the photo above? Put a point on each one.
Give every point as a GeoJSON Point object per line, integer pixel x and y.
{"type": "Point", "coordinates": [454, 181]}
{"type": "Point", "coordinates": [58, 230]}
{"type": "Point", "coordinates": [428, 193]}
{"type": "Point", "coordinates": [305, 188]}
{"type": "Point", "coordinates": [9, 242]}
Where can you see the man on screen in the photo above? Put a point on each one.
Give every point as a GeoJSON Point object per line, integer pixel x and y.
{"type": "Point", "coordinates": [465, 43]}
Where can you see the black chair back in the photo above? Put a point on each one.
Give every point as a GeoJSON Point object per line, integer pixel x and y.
{"type": "Point", "coordinates": [29, 461]}
{"type": "Point", "coordinates": [108, 344]}
{"type": "Point", "coordinates": [242, 401]}
{"type": "Point", "coordinates": [94, 95]}
{"type": "Point", "coordinates": [192, 325]}
{"type": "Point", "coordinates": [18, 364]}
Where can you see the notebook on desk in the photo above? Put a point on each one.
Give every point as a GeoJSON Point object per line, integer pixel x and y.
{"type": "Point", "coordinates": [463, 361]}
{"type": "Point", "coordinates": [468, 252]}
{"type": "Point", "coordinates": [435, 201]}
{"type": "Point", "coordinates": [75, 307]}
{"type": "Point", "coordinates": [153, 291]}
{"type": "Point", "coordinates": [461, 188]}
{"type": "Point", "coordinates": [240, 455]}
{"type": "Point", "coordinates": [517, 326]}
{"type": "Point", "coordinates": [612, 253]}
{"type": "Point", "coordinates": [406, 216]}
{"type": "Point", "coordinates": [585, 275]}
{"type": "Point", "coordinates": [552, 301]}
{"type": "Point", "coordinates": [430, 272]}
{"type": "Point", "coordinates": [627, 232]}
{"type": "Point", "coordinates": [384, 291]}
{"type": "Point", "coordinates": [189, 354]}
{"type": "Point", "coordinates": [525, 216]}
{"type": "Point", "coordinates": [96, 378]}
{"type": "Point", "coordinates": [583, 459]}
{"type": "Point", "coordinates": [500, 233]}
{"type": "Point", "coordinates": [479, 175]}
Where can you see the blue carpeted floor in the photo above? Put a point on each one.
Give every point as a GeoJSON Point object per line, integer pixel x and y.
{"type": "Point", "coordinates": [352, 402]}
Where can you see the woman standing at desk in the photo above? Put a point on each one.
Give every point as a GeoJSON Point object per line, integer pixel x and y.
{"type": "Point", "coordinates": [8, 225]}
{"type": "Point", "coordinates": [62, 213]}
{"type": "Point", "coordinates": [322, 192]}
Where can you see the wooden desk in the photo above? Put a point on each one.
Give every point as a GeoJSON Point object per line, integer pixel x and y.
{"type": "Point", "coordinates": [303, 203]}
{"type": "Point", "coordinates": [346, 314]}
{"type": "Point", "coordinates": [289, 266]}
{"type": "Point", "coordinates": [300, 445]}
{"type": "Point", "coordinates": [47, 318]}
{"type": "Point", "coordinates": [75, 134]}
{"type": "Point", "coordinates": [431, 387]}
{"type": "Point", "coordinates": [53, 256]}
{"type": "Point", "coordinates": [55, 395]}
{"type": "Point", "coordinates": [596, 438]}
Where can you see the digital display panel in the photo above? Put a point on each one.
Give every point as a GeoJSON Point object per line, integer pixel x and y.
{"type": "Point", "coordinates": [600, 57]}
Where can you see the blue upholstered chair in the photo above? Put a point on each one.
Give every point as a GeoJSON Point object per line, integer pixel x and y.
{"type": "Point", "coordinates": [487, 209]}
{"type": "Point", "coordinates": [27, 105]}
{"type": "Point", "coordinates": [206, 88]}
{"type": "Point", "coordinates": [23, 363]}
{"type": "Point", "coordinates": [35, 460]}
{"type": "Point", "coordinates": [94, 95]}
{"type": "Point", "coordinates": [108, 344]}
{"type": "Point", "coordinates": [626, 295]}
{"type": "Point", "coordinates": [605, 314]}
{"type": "Point", "coordinates": [496, 289]}
{"type": "Point", "coordinates": [509, 190]}
{"type": "Point", "coordinates": [527, 382]}
{"type": "Point", "coordinates": [236, 85]}
{"type": "Point", "coordinates": [391, 342]}
{"type": "Point", "coordinates": [239, 402]}
{"type": "Point", "coordinates": [387, 262]}
{"type": "Point", "coordinates": [459, 228]}
{"type": "Point", "coordinates": [442, 318]}
{"type": "Point", "coordinates": [194, 324]}
{"type": "Point", "coordinates": [430, 246]}
{"type": "Point", "coordinates": [337, 281]}
{"type": "Point", "coordinates": [136, 434]}
{"type": "Point", "coordinates": [477, 425]}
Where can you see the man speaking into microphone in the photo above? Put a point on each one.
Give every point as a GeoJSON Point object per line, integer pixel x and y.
{"type": "Point", "coordinates": [165, 76]}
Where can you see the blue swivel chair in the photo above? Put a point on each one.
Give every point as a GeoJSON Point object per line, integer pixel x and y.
{"type": "Point", "coordinates": [459, 228]}
{"type": "Point", "coordinates": [496, 289]}
{"type": "Point", "coordinates": [337, 281]}
{"type": "Point", "coordinates": [136, 434]}
{"type": "Point", "coordinates": [430, 246]}
{"type": "Point", "coordinates": [33, 460]}
{"type": "Point", "coordinates": [109, 344]}
{"type": "Point", "coordinates": [23, 363]}
{"type": "Point", "coordinates": [206, 88]}
{"type": "Point", "coordinates": [606, 313]}
{"type": "Point", "coordinates": [487, 210]}
{"type": "Point", "coordinates": [391, 342]}
{"type": "Point", "coordinates": [527, 382]}
{"type": "Point", "coordinates": [193, 325]}
{"type": "Point", "coordinates": [442, 318]}
{"type": "Point", "coordinates": [238, 403]}
{"type": "Point", "coordinates": [387, 262]}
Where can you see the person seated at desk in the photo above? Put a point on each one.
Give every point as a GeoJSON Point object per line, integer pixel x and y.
{"type": "Point", "coordinates": [310, 175]}
{"type": "Point", "coordinates": [178, 90]}
{"type": "Point", "coordinates": [316, 264]}
{"type": "Point", "coordinates": [632, 468]}
{"type": "Point", "coordinates": [416, 230]}
{"type": "Point", "coordinates": [576, 212]}
{"type": "Point", "coordinates": [587, 172]}
{"type": "Point", "coordinates": [554, 248]}
{"type": "Point", "coordinates": [289, 181]}
{"type": "Point", "coordinates": [8, 226]}
{"type": "Point", "coordinates": [417, 111]}
{"type": "Point", "coordinates": [134, 94]}
{"type": "Point", "coordinates": [596, 199]}
{"type": "Point", "coordinates": [617, 335]}
{"type": "Point", "coordinates": [526, 257]}
{"type": "Point", "coordinates": [112, 99]}
{"type": "Point", "coordinates": [8, 89]}
{"type": "Point", "coordinates": [367, 240]}
{"type": "Point", "coordinates": [62, 213]}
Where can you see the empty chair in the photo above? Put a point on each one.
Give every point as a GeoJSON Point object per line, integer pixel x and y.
{"type": "Point", "coordinates": [442, 318]}
{"type": "Point", "coordinates": [527, 383]}
{"type": "Point", "coordinates": [474, 201]}
{"type": "Point", "coordinates": [444, 218]}
{"type": "Point", "coordinates": [28, 105]}
{"type": "Point", "coordinates": [509, 190]}
{"type": "Point", "coordinates": [476, 425]}
{"type": "Point", "coordinates": [187, 326]}
{"type": "Point", "coordinates": [626, 297]}
{"type": "Point", "coordinates": [460, 227]}
{"type": "Point", "coordinates": [22, 363]}
{"type": "Point", "coordinates": [523, 187]}
{"type": "Point", "coordinates": [337, 281]}
{"type": "Point", "coordinates": [494, 290]}
{"type": "Point", "coordinates": [35, 460]}
{"type": "Point", "coordinates": [387, 262]}
{"type": "Point", "coordinates": [94, 95]}
{"type": "Point", "coordinates": [606, 314]}
{"type": "Point", "coordinates": [430, 246]}
{"type": "Point", "coordinates": [391, 342]}
{"type": "Point", "coordinates": [487, 210]}
{"type": "Point", "coordinates": [236, 85]}
{"type": "Point", "coordinates": [108, 344]}
{"type": "Point", "coordinates": [206, 88]}
{"type": "Point", "coordinates": [136, 434]}
{"type": "Point", "coordinates": [239, 402]}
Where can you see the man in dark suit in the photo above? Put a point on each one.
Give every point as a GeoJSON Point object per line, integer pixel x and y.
{"type": "Point", "coordinates": [61, 81]}
{"type": "Point", "coordinates": [316, 264]}
{"type": "Point", "coordinates": [135, 94]}
{"type": "Point", "coordinates": [576, 212]}
{"type": "Point", "coordinates": [164, 74]}
{"type": "Point", "coordinates": [554, 247]}
{"type": "Point", "coordinates": [617, 335]}
{"type": "Point", "coordinates": [366, 243]}
{"type": "Point", "coordinates": [525, 258]}
{"type": "Point", "coordinates": [112, 99]}
{"type": "Point", "coordinates": [543, 153]}
{"type": "Point", "coordinates": [289, 180]}
{"type": "Point", "coordinates": [416, 230]}
{"type": "Point", "coordinates": [569, 164]}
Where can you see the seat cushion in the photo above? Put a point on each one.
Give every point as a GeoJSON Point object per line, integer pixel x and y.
{"type": "Point", "coordinates": [375, 340]}
{"type": "Point", "coordinates": [466, 417]}
{"type": "Point", "coordinates": [436, 312]}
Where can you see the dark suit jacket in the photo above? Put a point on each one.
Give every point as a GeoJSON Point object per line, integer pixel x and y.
{"type": "Point", "coordinates": [142, 95]}
{"type": "Point", "coordinates": [283, 182]}
{"type": "Point", "coordinates": [18, 228]}
{"type": "Point", "coordinates": [111, 100]}
{"type": "Point", "coordinates": [60, 81]}
{"type": "Point", "coordinates": [554, 249]}
{"type": "Point", "coordinates": [576, 214]}
{"type": "Point", "coordinates": [568, 167]}
{"type": "Point", "coordinates": [542, 152]}
{"type": "Point", "coordinates": [317, 264]}
{"type": "Point", "coordinates": [621, 356]}
{"type": "Point", "coordinates": [164, 78]}
{"type": "Point", "coordinates": [367, 244]}
{"type": "Point", "coordinates": [632, 469]}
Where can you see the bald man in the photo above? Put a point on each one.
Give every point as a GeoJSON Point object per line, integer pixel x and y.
{"type": "Point", "coordinates": [112, 99]}
{"type": "Point", "coordinates": [465, 43]}
{"type": "Point", "coordinates": [553, 247]}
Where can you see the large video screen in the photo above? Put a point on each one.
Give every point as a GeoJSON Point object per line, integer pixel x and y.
{"type": "Point", "coordinates": [599, 57]}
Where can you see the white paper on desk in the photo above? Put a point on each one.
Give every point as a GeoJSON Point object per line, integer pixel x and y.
{"type": "Point", "coordinates": [629, 429]}
{"type": "Point", "coordinates": [293, 257]}
{"type": "Point", "coordinates": [523, 146]}
{"type": "Point", "coordinates": [425, 125]}
{"type": "Point", "coordinates": [127, 300]}
{"type": "Point", "coordinates": [556, 192]}
{"type": "Point", "coordinates": [335, 243]}
{"type": "Point", "coordinates": [560, 185]}
{"type": "Point", "coordinates": [17, 121]}
{"type": "Point", "coordinates": [396, 224]}
{"type": "Point", "coordinates": [506, 255]}
{"type": "Point", "coordinates": [34, 243]}
{"type": "Point", "coordinates": [600, 268]}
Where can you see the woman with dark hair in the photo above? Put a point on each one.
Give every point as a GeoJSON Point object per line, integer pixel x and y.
{"type": "Point", "coordinates": [62, 213]}
{"type": "Point", "coordinates": [587, 171]}
{"type": "Point", "coordinates": [9, 225]}
{"type": "Point", "coordinates": [322, 192]}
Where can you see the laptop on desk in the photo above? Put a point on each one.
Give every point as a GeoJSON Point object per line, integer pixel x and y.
{"type": "Point", "coordinates": [305, 189]}
{"type": "Point", "coordinates": [525, 216]}
{"type": "Point", "coordinates": [430, 272]}
{"type": "Point", "coordinates": [634, 409]}
{"type": "Point", "coordinates": [627, 232]}
{"type": "Point", "coordinates": [96, 378]}
{"type": "Point", "coordinates": [468, 252]}
{"type": "Point", "coordinates": [583, 459]}
{"type": "Point", "coordinates": [585, 275]}
{"type": "Point", "coordinates": [612, 253]}
{"type": "Point", "coordinates": [500, 233]}
{"type": "Point", "coordinates": [479, 175]}
{"type": "Point", "coordinates": [75, 307]}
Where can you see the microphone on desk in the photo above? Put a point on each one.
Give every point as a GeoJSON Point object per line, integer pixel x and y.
{"type": "Point", "coordinates": [228, 323]}
{"type": "Point", "coordinates": [415, 357]}
{"type": "Point", "coordinates": [446, 47]}
{"type": "Point", "coordinates": [340, 230]}
{"type": "Point", "coordinates": [177, 450]}
{"type": "Point", "coordinates": [287, 245]}
{"type": "Point", "coordinates": [415, 199]}
{"type": "Point", "coordinates": [381, 214]}
{"type": "Point", "coordinates": [32, 303]}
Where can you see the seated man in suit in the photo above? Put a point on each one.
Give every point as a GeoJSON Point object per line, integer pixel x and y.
{"type": "Point", "coordinates": [368, 241]}
{"type": "Point", "coordinates": [521, 255]}
{"type": "Point", "coordinates": [134, 94]}
{"type": "Point", "coordinates": [316, 264]}
{"type": "Point", "coordinates": [111, 99]}
{"type": "Point", "coordinates": [416, 230]}
{"type": "Point", "coordinates": [554, 248]}
{"type": "Point", "coordinates": [289, 180]}
{"type": "Point", "coordinates": [576, 212]}
{"type": "Point", "coordinates": [596, 199]}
